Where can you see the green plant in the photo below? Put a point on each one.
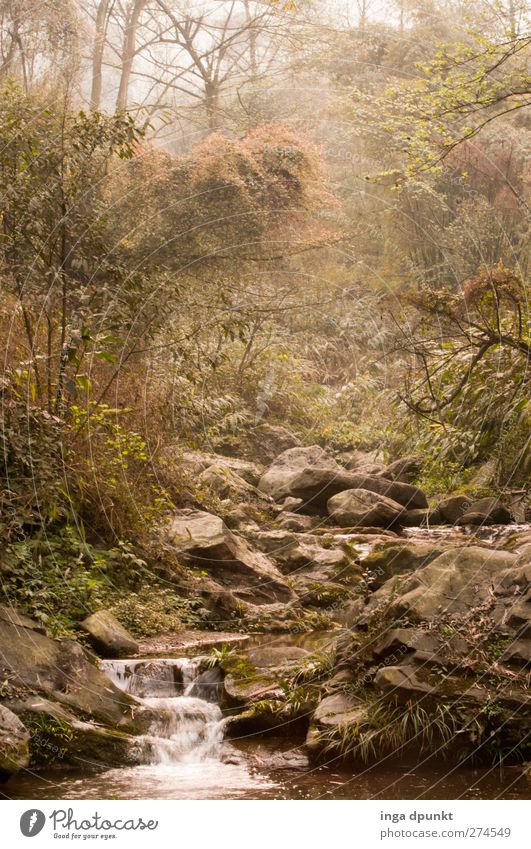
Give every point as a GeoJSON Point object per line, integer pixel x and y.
{"type": "Point", "coordinates": [221, 656]}
{"type": "Point", "coordinates": [387, 728]}
{"type": "Point", "coordinates": [49, 737]}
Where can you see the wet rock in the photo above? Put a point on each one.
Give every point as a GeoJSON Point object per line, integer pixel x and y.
{"type": "Point", "coordinates": [359, 507]}
{"type": "Point", "coordinates": [68, 741]}
{"type": "Point", "coordinates": [205, 541]}
{"type": "Point", "coordinates": [292, 759]}
{"type": "Point", "coordinates": [241, 689]}
{"type": "Point", "coordinates": [14, 749]}
{"type": "Point", "coordinates": [107, 636]}
{"type": "Point", "coordinates": [208, 685]}
{"type": "Point", "coordinates": [486, 511]}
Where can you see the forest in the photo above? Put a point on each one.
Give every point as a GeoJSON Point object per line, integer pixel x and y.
{"type": "Point", "coordinates": [265, 391]}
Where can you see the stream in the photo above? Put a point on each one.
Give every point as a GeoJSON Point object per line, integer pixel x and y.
{"type": "Point", "coordinates": [186, 757]}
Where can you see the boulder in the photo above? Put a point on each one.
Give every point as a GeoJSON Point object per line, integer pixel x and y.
{"type": "Point", "coordinates": [14, 739]}
{"type": "Point", "coordinates": [486, 511]}
{"type": "Point", "coordinates": [289, 505]}
{"type": "Point", "coordinates": [208, 685]}
{"type": "Point", "coordinates": [334, 712]}
{"type": "Point", "coordinates": [517, 654]}
{"type": "Point", "coordinates": [367, 462]}
{"type": "Point", "coordinates": [316, 484]}
{"type": "Point", "coordinates": [205, 541]}
{"type": "Point", "coordinates": [225, 483]}
{"type": "Point", "coordinates": [64, 672]}
{"type": "Point", "coordinates": [268, 441]}
{"type": "Point", "coordinates": [107, 636]}
{"type": "Point", "coordinates": [399, 558]}
{"type": "Point", "coordinates": [338, 709]}
{"type": "Point", "coordinates": [71, 741]}
{"type": "Point", "coordinates": [452, 508]}
{"type": "Point", "coordinates": [14, 617]}
{"type": "Point", "coordinates": [421, 518]}
{"type": "Point", "coordinates": [296, 522]}
{"type": "Point", "coordinates": [359, 507]}
{"type": "Point", "coordinates": [519, 618]}
{"type": "Point", "coordinates": [197, 462]}
{"type": "Point", "coordinates": [402, 641]}
{"type": "Point", "coordinates": [406, 469]}
{"type": "Point", "coordinates": [402, 683]}
{"type": "Point", "coordinates": [452, 583]}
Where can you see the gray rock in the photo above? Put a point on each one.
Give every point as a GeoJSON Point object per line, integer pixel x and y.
{"type": "Point", "coordinates": [359, 507]}
{"type": "Point", "coordinates": [406, 469]}
{"type": "Point", "coordinates": [452, 508]}
{"type": "Point", "coordinates": [317, 484]}
{"type": "Point", "coordinates": [107, 636]}
{"type": "Point", "coordinates": [366, 462]}
{"type": "Point", "coordinates": [401, 641]}
{"type": "Point", "coordinates": [402, 682]}
{"type": "Point", "coordinates": [208, 685]}
{"type": "Point", "coordinates": [268, 441]}
{"type": "Point", "coordinates": [339, 709]}
{"type": "Point", "coordinates": [14, 739]}
{"type": "Point", "coordinates": [399, 558]}
{"type": "Point", "coordinates": [197, 462]}
{"type": "Point", "coordinates": [422, 518]}
{"type": "Point", "coordinates": [486, 511]}
{"type": "Point", "coordinates": [205, 541]}
{"type": "Point", "coordinates": [63, 671]}
{"type": "Point", "coordinates": [297, 523]}
{"type": "Point", "coordinates": [517, 654]}
{"type": "Point", "coordinates": [225, 483]}
{"type": "Point", "coordinates": [452, 583]}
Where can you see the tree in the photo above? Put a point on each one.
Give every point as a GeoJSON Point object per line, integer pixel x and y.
{"type": "Point", "coordinates": [471, 351]}
{"type": "Point", "coordinates": [55, 254]}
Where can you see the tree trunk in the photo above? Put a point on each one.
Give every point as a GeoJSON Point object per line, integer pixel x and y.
{"type": "Point", "coordinates": [97, 54]}
{"type": "Point", "coordinates": [128, 52]}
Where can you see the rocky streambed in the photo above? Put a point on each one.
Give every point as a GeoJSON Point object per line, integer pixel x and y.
{"type": "Point", "coordinates": [362, 643]}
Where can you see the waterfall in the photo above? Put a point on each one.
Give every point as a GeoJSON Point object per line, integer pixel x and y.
{"type": "Point", "coordinates": [183, 728]}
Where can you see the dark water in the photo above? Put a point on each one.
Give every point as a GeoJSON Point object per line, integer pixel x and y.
{"type": "Point", "coordinates": [255, 775]}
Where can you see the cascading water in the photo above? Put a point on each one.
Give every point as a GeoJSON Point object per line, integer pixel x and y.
{"type": "Point", "coordinates": [183, 727]}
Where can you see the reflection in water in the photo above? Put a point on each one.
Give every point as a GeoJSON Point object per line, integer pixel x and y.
{"type": "Point", "coordinates": [214, 779]}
